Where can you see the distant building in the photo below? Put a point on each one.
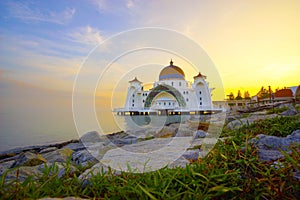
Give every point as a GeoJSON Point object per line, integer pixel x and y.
{"type": "Point", "coordinates": [171, 94]}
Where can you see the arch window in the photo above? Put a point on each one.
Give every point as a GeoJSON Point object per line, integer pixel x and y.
{"type": "Point", "coordinates": [172, 83]}
{"type": "Point", "coordinates": [200, 98]}
{"type": "Point", "coordinates": [187, 99]}
{"type": "Point", "coordinates": [133, 95]}
{"type": "Point", "coordinates": [143, 101]}
{"type": "Point", "coordinates": [169, 103]}
{"type": "Point", "coordinates": [183, 92]}
{"type": "Point", "coordinates": [164, 103]}
{"type": "Point", "coordinates": [200, 92]}
{"type": "Point", "coordinates": [179, 83]}
{"type": "Point", "coordinates": [132, 100]}
{"type": "Point", "coordinates": [133, 105]}
{"type": "Point", "coordinates": [200, 103]}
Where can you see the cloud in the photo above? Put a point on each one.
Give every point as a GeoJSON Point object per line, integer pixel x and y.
{"type": "Point", "coordinates": [87, 35]}
{"type": "Point", "coordinates": [27, 12]}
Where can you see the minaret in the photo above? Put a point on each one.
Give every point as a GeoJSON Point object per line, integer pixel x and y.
{"type": "Point", "coordinates": [132, 99]}
{"type": "Point", "coordinates": [202, 91]}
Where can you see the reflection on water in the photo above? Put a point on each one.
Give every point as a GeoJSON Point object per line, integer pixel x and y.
{"type": "Point", "coordinates": [136, 122]}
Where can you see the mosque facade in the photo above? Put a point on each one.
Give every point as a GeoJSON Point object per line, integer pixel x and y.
{"type": "Point", "coordinates": [171, 94]}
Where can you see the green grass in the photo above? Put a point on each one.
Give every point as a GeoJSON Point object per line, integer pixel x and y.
{"type": "Point", "coordinates": [225, 173]}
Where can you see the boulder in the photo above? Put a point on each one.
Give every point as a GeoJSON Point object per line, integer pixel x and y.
{"type": "Point", "coordinates": [184, 132]}
{"type": "Point", "coordinates": [166, 132]}
{"type": "Point", "coordinates": [83, 157]}
{"type": "Point", "coordinates": [269, 147]}
{"type": "Point", "coordinates": [290, 112]}
{"type": "Point", "coordinates": [22, 173]}
{"type": "Point", "coordinates": [49, 149]}
{"type": "Point", "coordinates": [28, 159]}
{"type": "Point", "coordinates": [75, 146]}
{"type": "Point", "coordinates": [179, 163]}
{"type": "Point", "coordinates": [5, 166]}
{"type": "Point", "coordinates": [199, 134]}
{"type": "Point", "coordinates": [192, 154]}
{"type": "Point", "coordinates": [60, 155]}
{"type": "Point", "coordinates": [92, 137]}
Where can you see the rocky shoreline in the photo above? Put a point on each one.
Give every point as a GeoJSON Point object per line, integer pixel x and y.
{"type": "Point", "coordinates": [131, 146]}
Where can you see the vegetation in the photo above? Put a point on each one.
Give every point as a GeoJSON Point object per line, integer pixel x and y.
{"type": "Point", "coordinates": [226, 172]}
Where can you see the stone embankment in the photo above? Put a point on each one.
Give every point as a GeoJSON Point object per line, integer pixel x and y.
{"type": "Point", "coordinates": [180, 144]}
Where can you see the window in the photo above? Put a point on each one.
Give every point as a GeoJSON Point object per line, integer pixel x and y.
{"type": "Point", "coordinates": [169, 103]}
{"type": "Point", "coordinates": [200, 103]}
{"type": "Point", "coordinates": [199, 92]}
{"type": "Point", "coordinates": [172, 83]}
{"type": "Point", "coordinates": [164, 103]}
{"type": "Point", "coordinates": [143, 101]}
{"type": "Point", "coordinates": [133, 105]}
{"type": "Point", "coordinates": [133, 95]}
{"type": "Point", "coordinates": [132, 100]}
{"type": "Point", "coordinates": [187, 99]}
{"type": "Point", "coordinates": [183, 92]}
{"type": "Point", "coordinates": [200, 98]}
{"type": "Point", "coordinates": [187, 92]}
{"type": "Point", "coordinates": [179, 83]}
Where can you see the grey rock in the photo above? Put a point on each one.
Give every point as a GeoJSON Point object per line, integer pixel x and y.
{"type": "Point", "coordinates": [60, 155]}
{"type": "Point", "coordinates": [166, 132]}
{"type": "Point", "coordinates": [49, 149]}
{"type": "Point", "coordinates": [5, 166]}
{"type": "Point", "coordinates": [192, 154]}
{"type": "Point", "coordinates": [180, 162]}
{"type": "Point", "coordinates": [75, 146]}
{"type": "Point", "coordinates": [269, 155]}
{"type": "Point", "coordinates": [92, 137]}
{"type": "Point", "coordinates": [184, 132]}
{"type": "Point", "coordinates": [199, 134]}
{"type": "Point", "coordinates": [56, 169]}
{"type": "Point", "coordinates": [269, 147]}
{"type": "Point", "coordinates": [22, 173]}
{"type": "Point", "coordinates": [275, 143]}
{"type": "Point", "coordinates": [83, 157]}
{"type": "Point", "coordinates": [289, 112]}
{"type": "Point", "coordinates": [28, 159]}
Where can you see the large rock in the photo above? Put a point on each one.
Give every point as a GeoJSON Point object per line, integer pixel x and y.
{"type": "Point", "coordinates": [268, 142]}
{"type": "Point", "coordinates": [60, 155]}
{"type": "Point", "coordinates": [5, 166]}
{"type": "Point", "coordinates": [147, 155]}
{"type": "Point", "coordinates": [92, 137]}
{"type": "Point", "coordinates": [22, 173]}
{"type": "Point", "coordinates": [249, 120]}
{"type": "Point", "coordinates": [199, 134]}
{"type": "Point", "coordinates": [192, 154]}
{"type": "Point", "coordinates": [184, 132]}
{"type": "Point", "coordinates": [28, 159]}
{"type": "Point", "coordinates": [290, 112]}
{"type": "Point", "coordinates": [270, 147]}
{"type": "Point", "coordinates": [166, 132]}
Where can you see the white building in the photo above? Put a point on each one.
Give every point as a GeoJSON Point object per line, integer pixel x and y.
{"type": "Point", "coordinates": [171, 94]}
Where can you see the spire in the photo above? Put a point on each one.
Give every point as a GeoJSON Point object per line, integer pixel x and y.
{"type": "Point", "coordinates": [135, 80]}
{"type": "Point", "coordinates": [171, 62]}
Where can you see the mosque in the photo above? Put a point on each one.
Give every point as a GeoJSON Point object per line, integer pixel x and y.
{"type": "Point", "coordinates": [170, 95]}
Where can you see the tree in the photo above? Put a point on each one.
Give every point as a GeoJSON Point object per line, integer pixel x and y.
{"type": "Point", "coordinates": [239, 96]}
{"type": "Point", "coordinates": [263, 93]}
{"type": "Point", "coordinates": [231, 96]}
{"type": "Point", "coordinates": [247, 95]}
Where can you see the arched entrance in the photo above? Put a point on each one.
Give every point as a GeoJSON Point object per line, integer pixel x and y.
{"type": "Point", "coordinates": [165, 88]}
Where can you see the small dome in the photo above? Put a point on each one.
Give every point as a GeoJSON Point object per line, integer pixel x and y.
{"type": "Point", "coordinates": [171, 72]}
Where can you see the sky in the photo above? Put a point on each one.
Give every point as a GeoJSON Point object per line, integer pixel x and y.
{"type": "Point", "coordinates": [43, 44]}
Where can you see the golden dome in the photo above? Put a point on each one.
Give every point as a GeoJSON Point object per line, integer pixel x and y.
{"type": "Point", "coordinates": [171, 72]}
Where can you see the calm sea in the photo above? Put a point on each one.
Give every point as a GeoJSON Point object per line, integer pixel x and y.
{"type": "Point", "coordinates": [34, 127]}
